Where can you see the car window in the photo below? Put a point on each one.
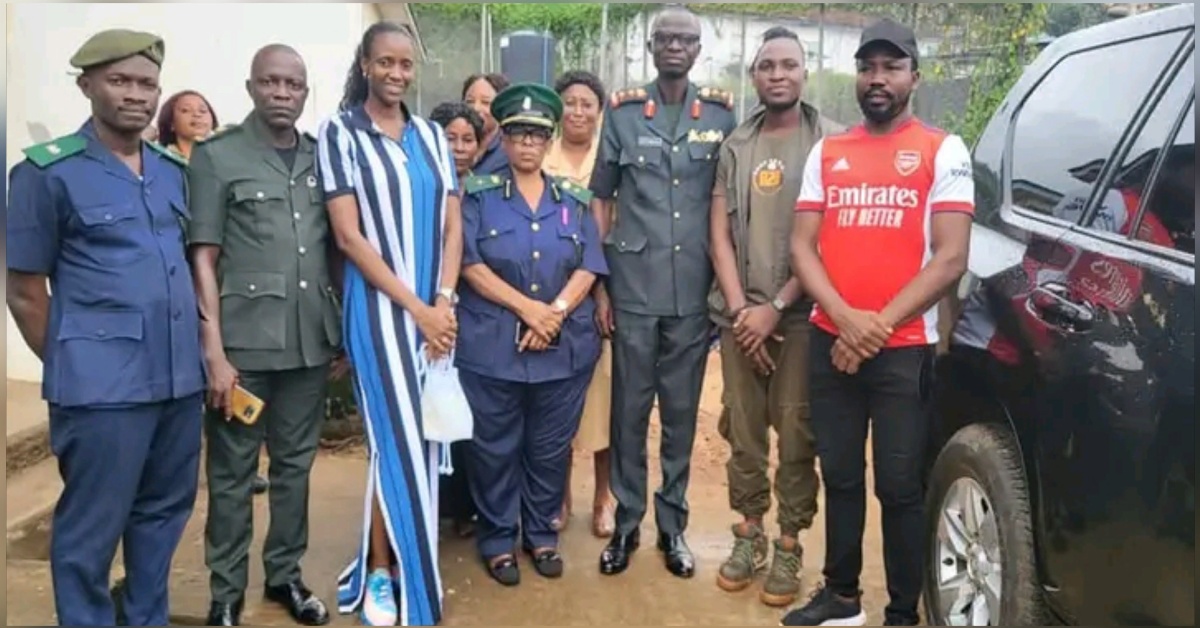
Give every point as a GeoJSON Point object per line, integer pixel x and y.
{"type": "Point", "coordinates": [1128, 185]}
{"type": "Point", "coordinates": [1072, 121]}
{"type": "Point", "coordinates": [1168, 213]}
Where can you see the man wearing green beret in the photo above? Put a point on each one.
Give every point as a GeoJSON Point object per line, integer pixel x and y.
{"type": "Point", "coordinates": [272, 325]}
{"type": "Point", "coordinates": [99, 216]}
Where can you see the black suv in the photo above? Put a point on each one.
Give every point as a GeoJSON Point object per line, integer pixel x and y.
{"type": "Point", "coordinates": [1063, 488]}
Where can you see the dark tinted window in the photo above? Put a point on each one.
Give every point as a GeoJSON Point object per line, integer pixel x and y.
{"type": "Point", "coordinates": [1074, 118]}
{"type": "Point", "coordinates": [1128, 186]}
{"type": "Point", "coordinates": [1169, 215]}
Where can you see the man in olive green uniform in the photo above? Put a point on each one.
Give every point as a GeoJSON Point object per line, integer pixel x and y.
{"type": "Point", "coordinates": [260, 238]}
{"type": "Point", "coordinates": [758, 304]}
{"type": "Point", "coordinates": [655, 166]}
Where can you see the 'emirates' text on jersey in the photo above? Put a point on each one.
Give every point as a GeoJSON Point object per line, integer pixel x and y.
{"type": "Point", "coordinates": [878, 195]}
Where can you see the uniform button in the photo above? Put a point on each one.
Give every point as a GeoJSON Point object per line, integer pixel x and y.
{"type": "Point", "coordinates": [296, 215]}
{"type": "Point", "coordinates": [260, 195]}
{"type": "Point", "coordinates": [676, 215]}
{"type": "Point", "coordinates": [708, 157]}
{"type": "Point", "coordinates": [536, 227]}
{"type": "Point", "coordinates": [537, 255]}
{"type": "Point", "coordinates": [108, 217]}
{"type": "Point", "coordinates": [252, 287]}
{"type": "Point", "coordinates": [292, 183]}
{"type": "Point", "coordinates": [303, 285]}
{"type": "Point", "coordinates": [678, 248]}
{"type": "Point", "coordinates": [534, 288]}
{"type": "Point", "coordinates": [674, 149]}
{"type": "Point", "coordinates": [641, 160]}
{"type": "Point", "coordinates": [676, 182]}
{"type": "Point", "coordinates": [303, 250]}
{"type": "Point", "coordinates": [493, 233]}
{"type": "Point", "coordinates": [100, 333]}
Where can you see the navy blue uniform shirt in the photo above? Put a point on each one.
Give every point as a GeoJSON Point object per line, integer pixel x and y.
{"type": "Point", "coordinates": [536, 251]}
{"type": "Point", "coordinates": [124, 324]}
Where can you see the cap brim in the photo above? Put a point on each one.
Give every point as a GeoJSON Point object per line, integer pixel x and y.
{"type": "Point", "coordinates": [526, 119]}
{"type": "Point", "coordinates": [883, 42]}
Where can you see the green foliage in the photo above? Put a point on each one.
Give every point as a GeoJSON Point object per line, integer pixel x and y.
{"type": "Point", "coordinates": [576, 25]}
{"type": "Point", "coordinates": [1067, 17]}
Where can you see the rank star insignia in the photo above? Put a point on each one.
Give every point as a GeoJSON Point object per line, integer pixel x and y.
{"type": "Point", "coordinates": [312, 181]}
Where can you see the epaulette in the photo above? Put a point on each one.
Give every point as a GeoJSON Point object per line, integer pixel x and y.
{"type": "Point", "coordinates": [221, 132]}
{"type": "Point", "coordinates": [49, 153]}
{"type": "Point", "coordinates": [482, 183]}
{"type": "Point", "coordinates": [717, 96]}
{"type": "Point", "coordinates": [575, 191]}
{"type": "Point", "coordinates": [168, 153]}
{"type": "Point", "coordinates": [627, 96]}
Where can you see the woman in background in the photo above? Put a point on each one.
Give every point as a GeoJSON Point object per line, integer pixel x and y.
{"type": "Point", "coordinates": [478, 92]}
{"type": "Point", "coordinates": [572, 156]}
{"type": "Point", "coordinates": [392, 197]}
{"type": "Point", "coordinates": [464, 130]}
{"type": "Point", "coordinates": [186, 118]}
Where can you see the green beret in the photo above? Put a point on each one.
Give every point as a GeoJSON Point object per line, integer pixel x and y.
{"type": "Point", "coordinates": [117, 44]}
{"type": "Point", "coordinates": [528, 103]}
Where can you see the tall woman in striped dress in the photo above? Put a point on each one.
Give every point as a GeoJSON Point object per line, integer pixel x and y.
{"type": "Point", "coordinates": [392, 194]}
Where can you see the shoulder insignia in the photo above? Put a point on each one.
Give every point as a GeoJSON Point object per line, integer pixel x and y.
{"type": "Point", "coordinates": [627, 96]}
{"type": "Point", "coordinates": [221, 132]}
{"type": "Point", "coordinates": [717, 96]}
{"type": "Point", "coordinates": [575, 191]}
{"type": "Point", "coordinates": [482, 183]}
{"type": "Point", "coordinates": [168, 153]}
{"type": "Point", "coordinates": [49, 153]}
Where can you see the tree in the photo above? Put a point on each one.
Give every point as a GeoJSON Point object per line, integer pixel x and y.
{"type": "Point", "coordinates": [1065, 18]}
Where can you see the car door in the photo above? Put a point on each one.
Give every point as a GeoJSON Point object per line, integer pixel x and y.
{"type": "Point", "coordinates": [1074, 339]}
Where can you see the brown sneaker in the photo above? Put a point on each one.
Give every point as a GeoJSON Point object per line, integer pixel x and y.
{"type": "Point", "coordinates": [783, 580]}
{"type": "Point", "coordinates": [749, 557]}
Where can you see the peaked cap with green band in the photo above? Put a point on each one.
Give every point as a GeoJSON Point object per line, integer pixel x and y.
{"type": "Point", "coordinates": [118, 44]}
{"type": "Point", "coordinates": [528, 103]}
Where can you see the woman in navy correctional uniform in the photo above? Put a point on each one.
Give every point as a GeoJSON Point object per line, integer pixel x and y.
{"type": "Point", "coordinates": [527, 343]}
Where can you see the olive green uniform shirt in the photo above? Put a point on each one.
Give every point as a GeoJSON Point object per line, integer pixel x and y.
{"type": "Point", "coordinates": [279, 310]}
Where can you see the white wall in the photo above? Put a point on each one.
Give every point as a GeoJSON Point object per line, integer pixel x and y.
{"type": "Point", "coordinates": [208, 48]}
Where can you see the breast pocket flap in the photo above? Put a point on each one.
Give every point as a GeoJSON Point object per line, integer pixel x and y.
{"type": "Point", "coordinates": [253, 191]}
{"type": "Point", "coordinates": [101, 215]}
{"type": "Point", "coordinates": [254, 285]}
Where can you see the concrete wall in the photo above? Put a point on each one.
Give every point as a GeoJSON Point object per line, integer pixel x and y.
{"type": "Point", "coordinates": [209, 47]}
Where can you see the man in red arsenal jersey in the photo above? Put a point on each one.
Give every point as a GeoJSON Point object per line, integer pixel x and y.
{"type": "Point", "coordinates": [881, 234]}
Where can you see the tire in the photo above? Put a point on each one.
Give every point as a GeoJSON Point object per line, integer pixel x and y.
{"type": "Point", "coordinates": [987, 455]}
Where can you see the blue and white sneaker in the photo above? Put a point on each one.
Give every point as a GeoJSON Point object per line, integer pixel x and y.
{"type": "Point", "coordinates": [379, 604]}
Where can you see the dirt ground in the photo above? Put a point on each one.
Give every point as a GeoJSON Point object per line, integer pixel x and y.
{"type": "Point", "coordinates": [645, 595]}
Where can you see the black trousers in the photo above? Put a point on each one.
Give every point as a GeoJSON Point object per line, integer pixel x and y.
{"type": "Point", "coordinates": [890, 395]}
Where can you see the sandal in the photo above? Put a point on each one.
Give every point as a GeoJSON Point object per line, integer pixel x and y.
{"type": "Point", "coordinates": [547, 562]}
{"type": "Point", "coordinates": [503, 569]}
{"type": "Point", "coordinates": [560, 522]}
{"type": "Point", "coordinates": [604, 520]}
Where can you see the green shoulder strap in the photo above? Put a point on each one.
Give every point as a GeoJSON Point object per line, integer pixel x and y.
{"type": "Point", "coordinates": [168, 153]}
{"type": "Point", "coordinates": [482, 183]}
{"type": "Point", "coordinates": [575, 191]}
{"type": "Point", "coordinates": [49, 153]}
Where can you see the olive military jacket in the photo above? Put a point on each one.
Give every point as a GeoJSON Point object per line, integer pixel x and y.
{"type": "Point", "coordinates": [662, 179]}
{"type": "Point", "coordinates": [279, 308]}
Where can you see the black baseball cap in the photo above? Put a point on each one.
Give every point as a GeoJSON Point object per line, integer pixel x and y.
{"type": "Point", "coordinates": [889, 31]}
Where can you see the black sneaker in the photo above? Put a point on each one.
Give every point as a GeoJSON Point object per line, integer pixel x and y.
{"type": "Point", "coordinates": [825, 608]}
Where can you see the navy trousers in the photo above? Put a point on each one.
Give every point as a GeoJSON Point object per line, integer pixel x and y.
{"type": "Point", "coordinates": [519, 457]}
{"type": "Point", "coordinates": [129, 474]}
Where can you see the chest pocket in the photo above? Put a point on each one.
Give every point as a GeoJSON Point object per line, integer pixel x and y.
{"type": "Point", "coordinates": [114, 234]}
{"type": "Point", "coordinates": [263, 203]}
{"type": "Point", "coordinates": [498, 244]}
{"type": "Point", "coordinates": [570, 243]}
{"type": "Point", "coordinates": [703, 151]}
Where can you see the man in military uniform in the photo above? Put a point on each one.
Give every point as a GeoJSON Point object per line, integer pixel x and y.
{"type": "Point", "coordinates": [655, 166]}
{"type": "Point", "coordinates": [99, 215]}
{"type": "Point", "coordinates": [260, 237]}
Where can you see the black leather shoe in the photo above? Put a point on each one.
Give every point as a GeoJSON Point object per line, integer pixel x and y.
{"type": "Point", "coordinates": [221, 614]}
{"type": "Point", "coordinates": [304, 607]}
{"type": "Point", "coordinates": [615, 557]}
{"type": "Point", "coordinates": [677, 555]}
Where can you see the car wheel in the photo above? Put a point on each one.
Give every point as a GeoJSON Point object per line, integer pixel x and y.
{"type": "Point", "coordinates": [982, 569]}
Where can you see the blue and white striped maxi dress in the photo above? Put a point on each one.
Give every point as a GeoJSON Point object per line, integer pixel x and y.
{"type": "Point", "coordinates": [401, 188]}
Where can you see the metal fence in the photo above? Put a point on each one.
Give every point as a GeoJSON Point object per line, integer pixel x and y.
{"type": "Point", "coordinates": [457, 48]}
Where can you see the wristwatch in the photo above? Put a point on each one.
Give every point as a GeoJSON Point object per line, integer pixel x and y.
{"type": "Point", "coordinates": [779, 305]}
{"type": "Point", "coordinates": [449, 294]}
{"type": "Point", "coordinates": [561, 306]}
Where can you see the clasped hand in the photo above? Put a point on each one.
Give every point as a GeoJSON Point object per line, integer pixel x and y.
{"type": "Point", "coordinates": [751, 328]}
{"type": "Point", "coordinates": [862, 335]}
{"type": "Point", "coordinates": [544, 323]}
{"type": "Point", "coordinates": [439, 326]}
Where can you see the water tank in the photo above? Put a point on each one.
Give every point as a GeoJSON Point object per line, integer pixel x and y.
{"type": "Point", "coordinates": [528, 57]}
